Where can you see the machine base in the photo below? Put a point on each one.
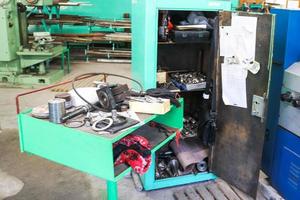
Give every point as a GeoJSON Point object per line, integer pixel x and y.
{"type": "Point", "coordinates": [31, 81]}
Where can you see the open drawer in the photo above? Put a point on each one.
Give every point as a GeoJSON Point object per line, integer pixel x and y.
{"type": "Point", "coordinates": [82, 150]}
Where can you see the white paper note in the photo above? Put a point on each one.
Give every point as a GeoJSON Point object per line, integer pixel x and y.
{"type": "Point", "coordinates": [226, 42]}
{"type": "Point", "coordinates": [245, 34]}
{"type": "Point", "coordinates": [234, 91]}
{"type": "Point", "coordinates": [239, 39]}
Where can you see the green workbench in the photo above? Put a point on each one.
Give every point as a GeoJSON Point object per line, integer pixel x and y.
{"type": "Point", "coordinates": [84, 150]}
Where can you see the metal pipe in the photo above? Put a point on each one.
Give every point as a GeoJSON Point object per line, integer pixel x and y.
{"type": "Point", "coordinates": [42, 89]}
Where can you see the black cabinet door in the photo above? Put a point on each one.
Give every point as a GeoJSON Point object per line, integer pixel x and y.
{"type": "Point", "coordinates": [236, 155]}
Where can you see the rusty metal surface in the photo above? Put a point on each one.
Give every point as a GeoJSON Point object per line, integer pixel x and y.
{"type": "Point", "coordinates": [89, 37]}
{"type": "Point", "coordinates": [240, 136]}
{"type": "Point", "coordinates": [108, 53]}
{"type": "Point", "coordinates": [36, 19]}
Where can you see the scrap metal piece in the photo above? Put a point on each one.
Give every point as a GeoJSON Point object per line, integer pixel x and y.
{"type": "Point", "coordinates": [137, 181]}
{"type": "Point", "coordinates": [42, 41]}
{"type": "Point", "coordinates": [189, 152]}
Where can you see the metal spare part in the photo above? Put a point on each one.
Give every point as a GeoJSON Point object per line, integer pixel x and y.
{"type": "Point", "coordinates": [41, 112]}
{"type": "Point", "coordinates": [202, 166]}
{"type": "Point", "coordinates": [67, 97]}
{"type": "Point", "coordinates": [56, 110]}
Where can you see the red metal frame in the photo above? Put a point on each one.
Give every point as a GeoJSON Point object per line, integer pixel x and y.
{"type": "Point", "coordinates": [46, 88]}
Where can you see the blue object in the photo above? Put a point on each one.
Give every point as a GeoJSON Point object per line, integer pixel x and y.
{"type": "Point", "coordinates": [286, 172]}
{"type": "Point", "coordinates": [285, 175]}
{"type": "Point", "coordinates": [286, 52]}
{"type": "Point", "coordinates": [286, 41]}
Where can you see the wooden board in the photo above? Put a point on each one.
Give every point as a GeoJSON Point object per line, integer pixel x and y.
{"type": "Point", "coordinates": [221, 190]}
{"type": "Point", "coordinates": [213, 190]}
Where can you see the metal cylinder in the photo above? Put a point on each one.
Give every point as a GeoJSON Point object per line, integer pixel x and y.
{"type": "Point", "coordinates": [56, 110]}
{"type": "Point", "coordinates": [67, 97]}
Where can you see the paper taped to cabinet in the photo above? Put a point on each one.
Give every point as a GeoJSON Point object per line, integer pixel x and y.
{"type": "Point", "coordinates": [239, 39]}
{"type": "Point", "coordinates": [234, 91]}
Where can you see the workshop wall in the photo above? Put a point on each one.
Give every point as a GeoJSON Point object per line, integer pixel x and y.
{"type": "Point", "coordinates": [109, 9]}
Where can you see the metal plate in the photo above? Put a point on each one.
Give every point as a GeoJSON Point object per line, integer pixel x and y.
{"type": "Point", "coordinates": [258, 106]}
{"type": "Point", "coordinates": [240, 136]}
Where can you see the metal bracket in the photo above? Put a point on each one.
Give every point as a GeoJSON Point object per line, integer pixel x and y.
{"type": "Point", "coordinates": [258, 107]}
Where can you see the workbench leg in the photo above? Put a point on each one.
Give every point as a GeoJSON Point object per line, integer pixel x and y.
{"type": "Point", "coordinates": [68, 60]}
{"type": "Point", "coordinates": [63, 61]}
{"type": "Point", "coordinates": [112, 190]}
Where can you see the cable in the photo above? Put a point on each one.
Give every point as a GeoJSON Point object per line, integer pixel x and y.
{"type": "Point", "coordinates": [97, 74]}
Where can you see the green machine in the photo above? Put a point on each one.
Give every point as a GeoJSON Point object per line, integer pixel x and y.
{"type": "Point", "coordinates": [21, 62]}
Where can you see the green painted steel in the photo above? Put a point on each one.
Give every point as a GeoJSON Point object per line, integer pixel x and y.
{"type": "Point", "coordinates": [144, 63]}
{"type": "Point", "coordinates": [106, 9]}
{"type": "Point", "coordinates": [172, 119]}
{"type": "Point", "coordinates": [38, 2]}
{"type": "Point", "coordinates": [79, 150]}
{"type": "Point", "coordinates": [145, 31]}
{"type": "Point", "coordinates": [29, 58]}
{"type": "Point", "coordinates": [98, 9]}
{"type": "Point", "coordinates": [150, 183]}
{"type": "Point", "coordinates": [112, 190]}
{"type": "Point", "coordinates": [84, 151]}
{"type": "Point", "coordinates": [13, 58]}
{"type": "Point", "coordinates": [148, 179]}
{"type": "Point", "coordinates": [9, 34]}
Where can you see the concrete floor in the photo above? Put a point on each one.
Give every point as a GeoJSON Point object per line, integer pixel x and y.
{"type": "Point", "coordinates": [37, 178]}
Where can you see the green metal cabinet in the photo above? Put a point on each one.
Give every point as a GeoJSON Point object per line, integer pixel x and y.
{"type": "Point", "coordinates": [82, 149]}
{"type": "Point", "coordinates": [145, 31]}
{"type": "Point", "coordinates": [236, 153]}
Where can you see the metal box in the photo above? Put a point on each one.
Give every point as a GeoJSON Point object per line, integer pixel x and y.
{"type": "Point", "coordinates": [286, 52]}
{"type": "Point", "coordinates": [286, 173]}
